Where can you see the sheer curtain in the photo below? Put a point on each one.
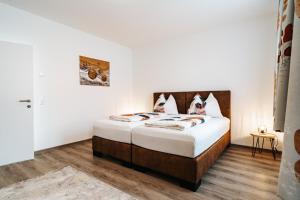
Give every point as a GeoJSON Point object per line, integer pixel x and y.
{"type": "Point", "coordinates": [287, 97]}
{"type": "Point", "coordinates": [284, 42]}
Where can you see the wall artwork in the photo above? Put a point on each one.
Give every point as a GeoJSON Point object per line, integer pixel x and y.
{"type": "Point", "coordinates": [94, 72]}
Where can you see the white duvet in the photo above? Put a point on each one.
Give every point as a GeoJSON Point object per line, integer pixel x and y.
{"type": "Point", "coordinates": [189, 143]}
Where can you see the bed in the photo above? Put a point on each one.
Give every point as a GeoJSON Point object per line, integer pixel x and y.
{"type": "Point", "coordinates": [188, 165]}
{"type": "Point", "coordinates": [180, 155]}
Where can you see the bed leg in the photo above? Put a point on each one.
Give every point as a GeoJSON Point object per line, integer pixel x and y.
{"type": "Point", "coordinates": [228, 145]}
{"type": "Point", "coordinates": [139, 168]}
{"type": "Point", "coordinates": [96, 153]}
{"type": "Point", "coordinates": [191, 186]}
{"type": "Point", "coordinates": [127, 164]}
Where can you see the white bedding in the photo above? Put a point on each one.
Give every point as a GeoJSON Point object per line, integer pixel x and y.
{"type": "Point", "coordinates": [117, 130]}
{"type": "Point", "coordinates": [189, 143]}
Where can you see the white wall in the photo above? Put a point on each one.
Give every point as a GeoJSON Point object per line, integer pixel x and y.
{"type": "Point", "coordinates": [69, 109]}
{"type": "Point", "coordinates": [239, 57]}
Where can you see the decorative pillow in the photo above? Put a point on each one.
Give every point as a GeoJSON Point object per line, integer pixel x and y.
{"type": "Point", "coordinates": [197, 106]}
{"type": "Point", "coordinates": [209, 107]}
{"type": "Point", "coordinates": [159, 104]}
{"type": "Point", "coordinates": [212, 107]}
{"type": "Point", "coordinates": [171, 106]}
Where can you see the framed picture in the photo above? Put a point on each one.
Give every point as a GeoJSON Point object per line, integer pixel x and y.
{"type": "Point", "coordinates": [94, 72]}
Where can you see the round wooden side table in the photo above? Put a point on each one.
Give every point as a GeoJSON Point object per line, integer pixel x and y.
{"type": "Point", "coordinates": [256, 136]}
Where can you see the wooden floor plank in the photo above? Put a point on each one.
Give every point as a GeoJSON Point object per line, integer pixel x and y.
{"type": "Point", "coordinates": [235, 175]}
{"type": "Point", "coordinates": [253, 167]}
{"type": "Point", "coordinates": [265, 155]}
{"type": "Point", "coordinates": [248, 162]}
{"type": "Point", "coordinates": [249, 157]}
{"type": "Point", "coordinates": [251, 184]}
{"type": "Point", "coordinates": [247, 174]}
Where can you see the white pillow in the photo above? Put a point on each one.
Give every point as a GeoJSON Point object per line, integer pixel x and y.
{"type": "Point", "coordinates": [159, 104]}
{"type": "Point", "coordinates": [171, 106]}
{"type": "Point", "coordinates": [212, 107]}
{"type": "Point", "coordinates": [193, 109]}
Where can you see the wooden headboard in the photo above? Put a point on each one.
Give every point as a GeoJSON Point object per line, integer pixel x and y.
{"type": "Point", "coordinates": [184, 99]}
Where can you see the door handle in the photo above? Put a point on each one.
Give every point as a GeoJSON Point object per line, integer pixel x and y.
{"type": "Point", "coordinates": [25, 101]}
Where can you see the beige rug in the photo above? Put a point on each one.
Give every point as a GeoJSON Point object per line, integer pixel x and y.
{"type": "Point", "coordinates": [67, 183]}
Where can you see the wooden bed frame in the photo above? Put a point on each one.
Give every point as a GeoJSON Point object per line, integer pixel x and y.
{"type": "Point", "coordinates": [187, 170]}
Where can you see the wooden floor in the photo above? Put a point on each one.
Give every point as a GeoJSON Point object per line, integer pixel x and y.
{"type": "Point", "coordinates": [236, 175]}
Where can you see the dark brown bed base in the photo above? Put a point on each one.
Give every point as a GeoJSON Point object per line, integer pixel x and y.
{"type": "Point", "coordinates": [188, 170]}
{"type": "Point", "coordinates": [118, 150]}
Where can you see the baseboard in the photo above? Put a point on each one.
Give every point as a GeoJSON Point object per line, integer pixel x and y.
{"type": "Point", "coordinates": [59, 146]}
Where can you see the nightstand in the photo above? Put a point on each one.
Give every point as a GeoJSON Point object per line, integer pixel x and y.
{"type": "Point", "coordinates": [256, 137]}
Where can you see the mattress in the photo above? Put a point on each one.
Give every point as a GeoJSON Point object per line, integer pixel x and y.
{"type": "Point", "coordinates": [189, 143]}
{"type": "Point", "coordinates": [118, 130]}
{"type": "Point", "coordinates": [115, 130]}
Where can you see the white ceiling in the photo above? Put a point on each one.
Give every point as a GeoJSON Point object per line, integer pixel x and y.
{"type": "Point", "coordinates": [136, 23]}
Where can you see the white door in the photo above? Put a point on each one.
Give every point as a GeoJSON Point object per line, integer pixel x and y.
{"type": "Point", "coordinates": [16, 92]}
